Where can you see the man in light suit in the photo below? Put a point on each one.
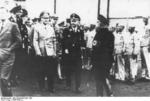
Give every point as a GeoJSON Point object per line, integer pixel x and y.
{"type": "Point", "coordinates": [10, 39]}
{"type": "Point", "coordinates": [44, 43]}
{"type": "Point", "coordinates": [145, 48]}
{"type": "Point", "coordinates": [118, 51]}
{"type": "Point", "coordinates": [132, 50]}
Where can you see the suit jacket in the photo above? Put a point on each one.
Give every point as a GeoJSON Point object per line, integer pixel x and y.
{"type": "Point", "coordinates": [10, 39]}
{"type": "Point", "coordinates": [44, 40]}
{"type": "Point", "coordinates": [73, 41]}
{"type": "Point", "coordinates": [103, 47]}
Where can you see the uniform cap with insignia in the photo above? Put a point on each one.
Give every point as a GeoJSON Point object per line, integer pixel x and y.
{"type": "Point", "coordinates": [24, 13]}
{"type": "Point", "coordinates": [75, 16]}
{"type": "Point", "coordinates": [102, 19]}
{"type": "Point", "coordinates": [16, 9]}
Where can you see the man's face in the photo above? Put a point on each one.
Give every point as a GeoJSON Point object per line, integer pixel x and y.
{"type": "Point", "coordinates": [99, 24]}
{"type": "Point", "coordinates": [145, 21]}
{"type": "Point", "coordinates": [74, 22]}
{"type": "Point", "coordinates": [118, 29]}
{"type": "Point", "coordinates": [131, 29]}
{"type": "Point", "coordinates": [19, 13]}
{"type": "Point", "coordinates": [3, 14]}
{"type": "Point", "coordinates": [45, 19]}
{"type": "Point", "coordinates": [54, 20]}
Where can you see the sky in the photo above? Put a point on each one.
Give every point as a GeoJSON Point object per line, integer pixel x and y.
{"type": "Point", "coordinates": [87, 9]}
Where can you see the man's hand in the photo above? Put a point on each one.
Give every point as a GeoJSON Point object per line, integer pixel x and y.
{"type": "Point", "coordinates": [66, 51]}
{"type": "Point", "coordinates": [39, 54]}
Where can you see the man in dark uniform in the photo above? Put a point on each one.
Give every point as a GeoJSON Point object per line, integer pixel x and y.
{"type": "Point", "coordinates": [73, 41]}
{"type": "Point", "coordinates": [102, 58]}
{"type": "Point", "coordinates": [21, 52]}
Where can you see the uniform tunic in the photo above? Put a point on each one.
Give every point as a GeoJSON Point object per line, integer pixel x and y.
{"type": "Point", "coordinates": [119, 61]}
{"type": "Point", "coordinates": [132, 49]}
{"type": "Point", "coordinates": [145, 45]}
{"type": "Point", "coordinates": [73, 40]}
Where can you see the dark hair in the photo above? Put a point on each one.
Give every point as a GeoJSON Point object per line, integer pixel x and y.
{"type": "Point", "coordinates": [74, 15]}
{"type": "Point", "coordinates": [103, 19]}
{"type": "Point", "coordinates": [35, 19]}
{"type": "Point", "coordinates": [42, 13]}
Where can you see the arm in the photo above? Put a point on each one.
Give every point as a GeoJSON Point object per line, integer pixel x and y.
{"type": "Point", "coordinates": [16, 37]}
{"type": "Point", "coordinates": [36, 42]}
{"type": "Point", "coordinates": [83, 43]}
{"type": "Point", "coordinates": [64, 42]}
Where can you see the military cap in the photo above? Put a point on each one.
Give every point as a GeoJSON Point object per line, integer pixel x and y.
{"type": "Point", "coordinates": [61, 23]}
{"type": "Point", "coordinates": [16, 9]}
{"type": "Point", "coordinates": [102, 19]}
{"type": "Point", "coordinates": [68, 20]}
{"type": "Point", "coordinates": [24, 13]}
{"type": "Point", "coordinates": [75, 16]}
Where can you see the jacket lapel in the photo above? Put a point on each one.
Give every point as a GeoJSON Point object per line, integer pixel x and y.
{"type": "Point", "coordinates": [5, 27]}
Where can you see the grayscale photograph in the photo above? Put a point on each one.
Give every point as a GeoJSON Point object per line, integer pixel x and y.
{"type": "Point", "coordinates": [74, 48]}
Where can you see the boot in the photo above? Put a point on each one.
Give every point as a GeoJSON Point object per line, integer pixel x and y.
{"type": "Point", "coordinates": [5, 88]}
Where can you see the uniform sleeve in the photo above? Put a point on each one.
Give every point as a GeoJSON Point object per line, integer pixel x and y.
{"type": "Point", "coordinates": [136, 45]}
{"type": "Point", "coordinates": [54, 40]}
{"type": "Point", "coordinates": [64, 40]}
{"type": "Point", "coordinates": [31, 36]}
{"type": "Point", "coordinates": [35, 41]}
{"type": "Point", "coordinates": [83, 43]}
{"type": "Point", "coordinates": [111, 45]}
{"type": "Point", "coordinates": [16, 37]}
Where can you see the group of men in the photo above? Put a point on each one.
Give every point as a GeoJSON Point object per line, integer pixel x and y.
{"type": "Point", "coordinates": [44, 40]}
{"type": "Point", "coordinates": [53, 46]}
{"type": "Point", "coordinates": [131, 52]}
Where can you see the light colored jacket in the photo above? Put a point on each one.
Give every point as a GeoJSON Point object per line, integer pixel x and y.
{"type": "Point", "coordinates": [44, 40]}
{"type": "Point", "coordinates": [119, 43]}
{"type": "Point", "coordinates": [145, 36]}
{"type": "Point", "coordinates": [132, 44]}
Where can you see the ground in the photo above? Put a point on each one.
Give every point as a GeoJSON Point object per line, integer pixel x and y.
{"type": "Point", "coordinates": [28, 87]}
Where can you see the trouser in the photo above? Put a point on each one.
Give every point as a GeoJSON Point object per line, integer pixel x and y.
{"type": "Point", "coordinates": [101, 74]}
{"type": "Point", "coordinates": [5, 72]}
{"type": "Point", "coordinates": [146, 60]}
{"type": "Point", "coordinates": [120, 68]}
{"type": "Point", "coordinates": [73, 71]}
{"type": "Point", "coordinates": [20, 65]}
{"type": "Point", "coordinates": [5, 87]}
{"type": "Point", "coordinates": [47, 67]}
{"type": "Point", "coordinates": [131, 67]}
{"type": "Point", "coordinates": [102, 84]}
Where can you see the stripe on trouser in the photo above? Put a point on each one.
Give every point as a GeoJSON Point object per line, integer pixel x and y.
{"type": "Point", "coordinates": [147, 59]}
